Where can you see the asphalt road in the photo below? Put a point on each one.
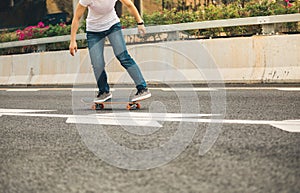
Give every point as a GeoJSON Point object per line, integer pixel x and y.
{"type": "Point", "coordinates": [52, 151]}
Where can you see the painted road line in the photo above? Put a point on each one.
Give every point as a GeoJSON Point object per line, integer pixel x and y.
{"type": "Point", "coordinates": [37, 115]}
{"type": "Point", "coordinates": [55, 89]}
{"type": "Point", "coordinates": [199, 89]}
{"type": "Point", "coordinates": [112, 121]}
{"type": "Point", "coordinates": [289, 89]}
{"type": "Point", "coordinates": [148, 119]}
{"type": "Point", "coordinates": [22, 90]}
{"type": "Point", "coordinates": [288, 125]}
{"type": "Point", "coordinates": [155, 115]}
{"type": "Point", "coordinates": [88, 89]}
{"type": "Point", "coordinates": [188, 89]}
{"type": "Point", "coordinates": [91, 119]}
{"type": "Point", "coordinates": [2, 110]}
{"type": "Point", "coordinates": [246, 88]}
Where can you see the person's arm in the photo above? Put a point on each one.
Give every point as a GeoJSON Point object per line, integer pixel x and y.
{"type": "Point", "coordinates": [134, 12]}
{"type": "Point", "coordinates": [74, 27]}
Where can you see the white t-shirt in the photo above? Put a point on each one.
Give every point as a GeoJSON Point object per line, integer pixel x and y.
{"type": "Point", "coordinates": [101, 14]}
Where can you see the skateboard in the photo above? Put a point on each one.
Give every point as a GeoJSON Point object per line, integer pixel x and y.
{"type": "Point", "coordinates": [100, 105]}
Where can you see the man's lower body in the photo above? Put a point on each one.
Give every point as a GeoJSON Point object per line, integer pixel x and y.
{"type": "Point", "coordinates": [96, 47]}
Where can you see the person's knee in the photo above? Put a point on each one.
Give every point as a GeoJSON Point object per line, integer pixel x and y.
{"type": "Point", "coordinates": [98, 68]}
{"type": "Point", "coordinates": [125, 59]}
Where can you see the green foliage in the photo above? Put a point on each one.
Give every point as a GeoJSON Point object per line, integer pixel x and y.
{"type": "Point", "coordinates": [162, 18]}
{"type": "Point", "coordinates": [57, 30]}
{"type": "Point", "coordinates": [7, 36]}
{"type": "Point", "coordinates": [236, 9]}
{"type": "Point", "coordinates": [265, 8]}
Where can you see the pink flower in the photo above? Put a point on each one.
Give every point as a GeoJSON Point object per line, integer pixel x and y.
{"type": "Point", "coordinates": [289, 5]}
{"type": "Point", "coordinates": [62, 25]}
{"type": "Point", "coordinates": [31, 31]}
{"type": "Point", "coordinates": [30, 28]}
{"type": "Point", "coordinates": [41, 25]}
{"type": "Point", "coordinates": [21, 36]}
{"type": "Point", "coordinates": [287, 1]}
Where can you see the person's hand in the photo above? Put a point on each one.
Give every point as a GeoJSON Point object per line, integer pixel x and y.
{"type": "Point", "coordinates": [73, 47]}
{"type": "Point", "coordinates": [141, 29]}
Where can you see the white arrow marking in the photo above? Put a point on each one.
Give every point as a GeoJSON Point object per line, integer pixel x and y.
{"type": "Point", "coordinates": [288, 125]}
{"type": "Point", "coordinates": [112, 121]}
{"type": "Point", "coordinates": [148, 119]}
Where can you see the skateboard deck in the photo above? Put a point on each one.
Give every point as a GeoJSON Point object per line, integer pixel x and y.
{"type": "Point", "coordinates": [101, 105]}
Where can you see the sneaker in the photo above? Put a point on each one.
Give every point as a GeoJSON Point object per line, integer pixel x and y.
{"type": "Point", "coordinates": [141, 95]}
{"type": "Point", "coordinates": [102, 97]}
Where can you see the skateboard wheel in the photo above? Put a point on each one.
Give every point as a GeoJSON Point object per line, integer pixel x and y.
{"type": "Point", "coordinates": [100, 106]}
{"type": "Point", "coordinates": [132, 106]}
{"type": "Point", "coordinates": [97, 106]}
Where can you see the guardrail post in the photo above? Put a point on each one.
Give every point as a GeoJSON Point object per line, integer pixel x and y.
{"type": "Point", "coordinates": [41, 47]}
{"type": "Point", "coordinates": [172, 36]}
{"type": "Point", "coordinates": [268, 29]}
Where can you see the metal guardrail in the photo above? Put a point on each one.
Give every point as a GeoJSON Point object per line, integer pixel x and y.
{"type": "Point", "coordinates": [267, 22]}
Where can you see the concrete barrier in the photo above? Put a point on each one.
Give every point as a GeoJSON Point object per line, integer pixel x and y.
{"type": "Point", "coordinates": [257, 59]}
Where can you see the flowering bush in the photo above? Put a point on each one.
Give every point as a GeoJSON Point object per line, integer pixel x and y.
{"type": "Point", "coordinates": [288, 4]}
{"type": "Point", "coordinates": [32, 31]}
{"type": "Point", "coordinates": [37, 31]}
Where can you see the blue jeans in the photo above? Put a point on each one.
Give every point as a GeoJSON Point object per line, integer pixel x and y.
{"type": "Point", "coordinates": [96, 47]}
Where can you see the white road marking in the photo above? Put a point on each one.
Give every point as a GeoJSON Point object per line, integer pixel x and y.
{"type": "Point", "coordinates": [88, 89]}
{"type": "Point", "coordinates": [288, 125]}
{"type": "Point", "coordinates": [22, 90]}
{"type": "Point", "coordinates": [8, 111]}
{"type": "Point", "coordinates": [197, 89]}
{"type": "Point", "coordinates": [154, 115]}
{"type": "Point", "coordinates": [112, 121]}
{"type": "Point", "coordinates": [149, 119]}
{"type": "Point", "coordinates": [289, 89]}
{"type": "Point", "coordinates": [247, 88]}
{"type": "Point", "coordinates": [188, 89]}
